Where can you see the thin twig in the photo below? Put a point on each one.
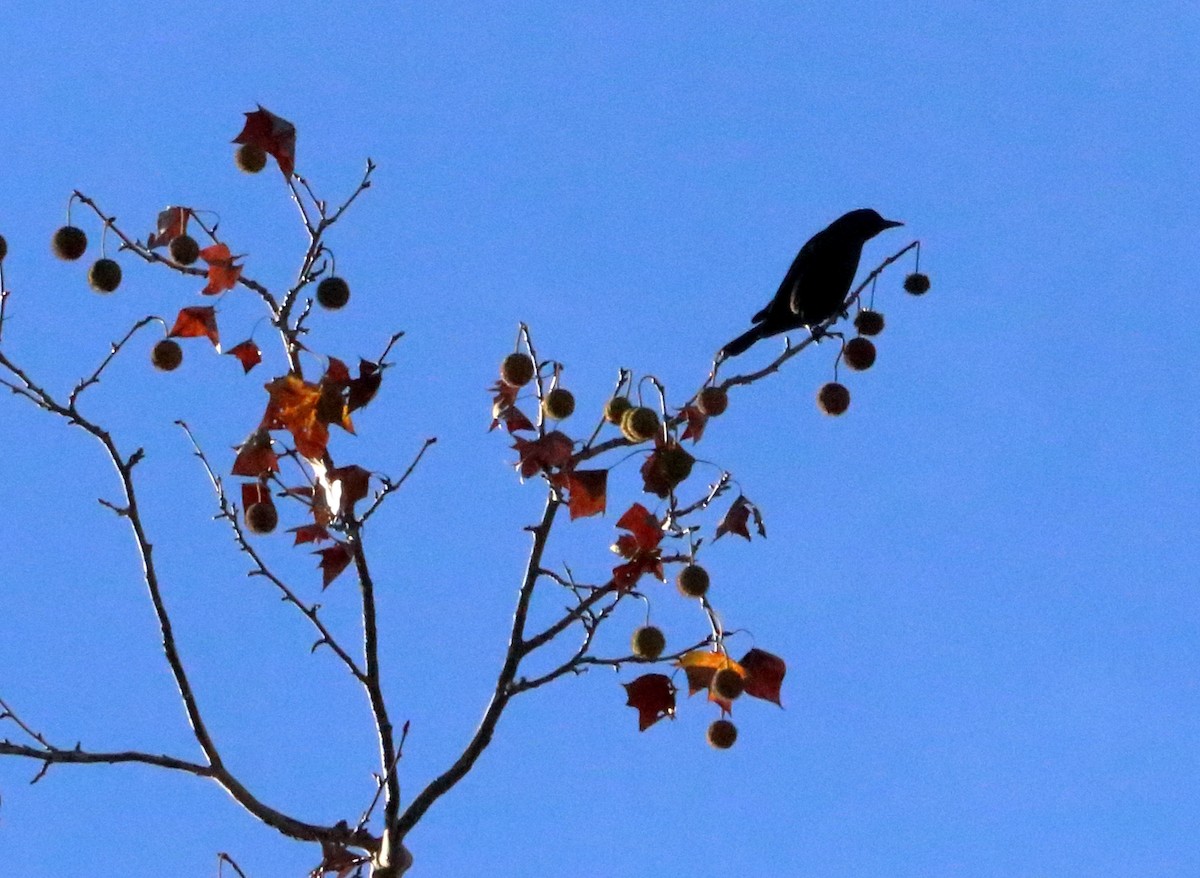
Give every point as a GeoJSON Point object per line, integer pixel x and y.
{"type": "Point", "coordinates": [390, 486]}
{"type": "Point", "coordinates": [113, 350]}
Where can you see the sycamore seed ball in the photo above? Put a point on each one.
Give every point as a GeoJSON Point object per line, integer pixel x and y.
{"type": "Point", "coordinates": [105, 275]}
{"type": "Point", "coordinates": [261, 518]}
{"type": "Point", "coordinates": [333, 293]}
{"type": "Point", "coordinates": [615, 409]}
{"type": "Point", "coordinates": [184, 249]}
{"type": "Point", "coordinates": [3, 248]}
{"type": "Point", "coordinates": [833, 398]}
{"type": "Point", "coordinates": [559, 403]}
{"type": "Point", "coordinates": [859, 353]}
{"type": "Point", "coordinates": [728, 683]}
{"type": "Point", "coordinates": [251, 158]}
{"type": "Point", "coordinates": [721, 734]}
{"type": "Point", "coordinates": [917, 284]}
{"type": "Point", "coordinates": [868, 322]}
{"type": "Point", "coordinates": [517, 370]}
{"type": "Point", "coordinates": [639, 424]}
{"type": "Point", "coordinates": [69, 242]}
{"type": "Point", "coordinates": [648, 642]}
{"type": "Point", "coordinates": [712, 401]}
{"type": "Point", "coordinates": [167, 355]}
{"type": "Point", "coordinates": [692, 581]}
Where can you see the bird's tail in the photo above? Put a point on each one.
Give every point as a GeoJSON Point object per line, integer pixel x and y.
{"type": "Point", "coordinates": [742, 343]}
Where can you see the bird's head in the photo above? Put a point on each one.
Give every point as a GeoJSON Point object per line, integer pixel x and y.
{"type": "Point", "coordinates": [865, 223]}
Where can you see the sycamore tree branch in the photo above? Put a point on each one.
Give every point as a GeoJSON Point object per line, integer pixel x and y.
{"type": "Point", "coordinates": [391, 485]}
{"type": "Point", "coordinates": [503, 690]}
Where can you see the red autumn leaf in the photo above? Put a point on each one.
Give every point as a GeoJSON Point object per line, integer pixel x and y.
{"type": "Point", "coordinates": [737, 518]}
{"type": "Point", "coordinates": [172, 223]}
{"type": "Point", "coordinates": [255, 456]}
{"type": "Point", "coordinates": [222, 273]}
{"type": "Point", "coordinates": [639, 547]}
{"type": "Point", "coordinates": [348, 485]}
{"type": "Point", "coordinates": [696, 422]}
{"type": "Point", "coordinates": [247, 353]}
{"type": "Point", "coordinates": [255, 492]}
{"type": "Point", "coordinates": [332, 407]}
{"type": "Point", "coordinates": [336, 372]}
{"type": "Point", "coordinates": [764, 674]}
{"type": "Point", "coordinates": [588, 492]}
{"type": "Point", "coordinates": [333, 562]}
{"type": "Point", "coordinates": [505, 411]}
{"type": "Point", "coordinates": [197, 321]}
{"type": "Point", "coordinates": [309, 533]}
{"type": "Point", "coordinates": [277, 136]}
{"type": "Point", "coordinates": [654, 697]}
{"type": "Point", "coordinates": [538, 455]}
{"type": "Point", "coordinates": [363, 388]}
{"type": "Point", "coordinates": [293, 407]}
{"type": "Point", "coordinates": [667, 466]}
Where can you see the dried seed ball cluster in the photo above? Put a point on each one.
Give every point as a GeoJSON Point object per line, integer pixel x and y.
{"type": "Point", "coordinates": [517, 370]}
{"type": "Point", "coordinates": [262, 518]}
{"type": "Point", "coordinates": [833, 398]}
{"type": "Point", "coordinates": [722, 734]}
{"type": "Point", "coordinates": [615, 408]}
{"type": "Point", "coordinates": [559, 403]}
{"type": "Point", "coordinates": [333, 293]}
{"type": "Point", "coordinates": [69, 243]}
{"type": "Point", "coordinates": [184, 249]}
{"type": "Point", "coordinates": [639, 423]}
{"type": "Point", "coordinates": [104, 276]}
{"type": "Point", "coordinates": [167, 355]}
{"type": "Point", "coordinates": [728, 683]}
{"type": "Point", "coordinates": [859, 353]}
{"type": "Point", "coordinates": [648, 642]}
{"type": "Point", "coordinates": [868, 322]}
{"type": "Point", "coordinates": [251, 158]}
{"type": "Point", "coordinates": [917, 283]}
{"type": "Point", "coordinates": [712, 401]}
{"type": "Point", "coordinates": [692, 581]}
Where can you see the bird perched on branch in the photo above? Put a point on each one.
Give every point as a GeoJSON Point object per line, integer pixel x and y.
{"type": "Point", "coordinates": [816, 285]}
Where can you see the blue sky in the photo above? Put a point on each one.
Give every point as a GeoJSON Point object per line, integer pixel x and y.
{"type": "Point", "coordinates": [983, 577]}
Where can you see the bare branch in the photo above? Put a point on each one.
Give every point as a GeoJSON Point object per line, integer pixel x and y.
{"type": "Point", "coordinates": [113, 350]}
{"type": "Point", "coordinates": [390, 486]}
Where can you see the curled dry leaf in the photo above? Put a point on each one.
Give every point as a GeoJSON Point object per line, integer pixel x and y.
{"type": "Point", "coordinates": [640, 547]}
{"type": "Point", "coordinates": [172, 223]}
{"type": "Point", "coordinates": [255, 456]}
{"type": "Point", "coordinates": [223, 274]}
{"type": "Point", "coordinates": [333, 561]}
{"type": "Point", "coordinates": [653, 695]}
{"type": "Point", "coordinates": [274, 134]}
{"type": "Point", "coordinates": [736, 520]}
{"type": "Point", "coordinates": [197, 321]}
{"type": "Point", "coordinates": [551, 451]}
{"type": "Point", "coordinates": [247, 353]}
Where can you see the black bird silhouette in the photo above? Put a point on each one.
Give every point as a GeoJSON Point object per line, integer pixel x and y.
{"type": "Point", "coordinates": [816, 285]}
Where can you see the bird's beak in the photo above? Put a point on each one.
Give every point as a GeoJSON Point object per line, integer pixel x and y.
{"type": "Point", "coordinates": [891, 224]}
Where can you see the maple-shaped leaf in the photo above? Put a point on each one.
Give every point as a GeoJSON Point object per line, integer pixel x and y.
{"type": "Point", "coordinates": [654, 697]}
{"type": "Point", "coordinates": [255, 492]}
{"type": "Point", "coordinates": [172, 223]}
{"type": "Point", "coordinates": [764, 674]}
{"type": "Point", "coordinates": [505, 411]}
{"type": "Point", "coordinates": [197, 321]}
{"type": "Point", "coordinates": [333, 561]}
{"type": "Point", "coordinates": [639, 546]}
{"type": "Point", "coordinates": [336, 372]}
{"type": "Point", "coordinates": [309, 533]}
{"type": "Point", "coordinates": [293, 407]}
{"type": "Point", "coordinates": [696, 422]}
{"type": "Point", "coordinates": [345, 486]}
{"type": "Point", "coordinates": [247, 353]}
{"type": "Point", "coordinates": [588, 492]}
{"type": "Point", "coordinates": [667, 466]}
{"type": "Point", "coordinates": [362, 390]}
{"type": "Point", "coordinates": [700, 666]}
{"type": "Point", "coordinates": [542, 454]}
{"type": "Point", "coordinates": [222, 273]}
{"type": "Point", "coordinates": [255, 456]}
{"type": "Point", "coordinates": [276, 135]}
{"type": "Point", "coordinates": [737, 518]}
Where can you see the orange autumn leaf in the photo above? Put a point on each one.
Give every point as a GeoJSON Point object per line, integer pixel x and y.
{"type": "Point", "coordinates": [701, 666]}
{"type": "Point", "coordinates": [333, 561]}
{"type": "Point", "coordinates": [293, 407]}
{"type": "Point", "coordinates": [588, 492]}
{"type": "Point", "coordinates": [639, 547]}
{"type": "Point", "coordinates": [197, 321]}
{"type": "Point", "coordinates": [247, 353]}
{"type": "Point", "coordinates": [764, 674]}
{"type": "Point", "coordinates": [255, 456]}
{"type": "Point", "coordinates": [172, 223]}
{"type": "Point", "coordinates": [653, 695]}
{"type": "Point", "coordinates": [222, 273]}
{"type": "Point", "coordinates": [274, 134]}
